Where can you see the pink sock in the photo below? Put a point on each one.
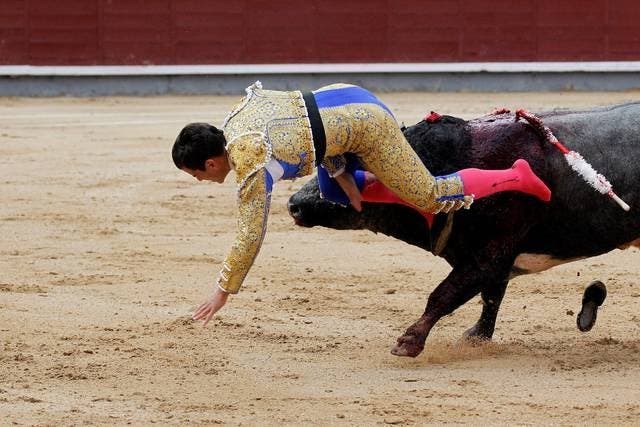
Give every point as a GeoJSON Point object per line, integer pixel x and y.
{"type": "Point", "coordinates": [376, 192]}
{"type": "Point", "coordinates": [482, 183]}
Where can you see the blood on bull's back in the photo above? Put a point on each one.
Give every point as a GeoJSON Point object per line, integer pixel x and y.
{"type": "Point", "coordinates": [579, 221]}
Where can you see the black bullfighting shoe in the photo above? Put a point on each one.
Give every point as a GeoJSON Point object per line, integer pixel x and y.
{"type": "Point", "coordinates": [594, 296]}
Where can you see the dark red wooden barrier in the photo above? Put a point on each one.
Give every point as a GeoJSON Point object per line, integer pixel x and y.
{"type": "Point", "coordinates": [113, 32]}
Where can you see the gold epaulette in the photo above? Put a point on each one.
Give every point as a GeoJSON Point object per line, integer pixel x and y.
{"type": "Point", "coordinates": [248, 154]}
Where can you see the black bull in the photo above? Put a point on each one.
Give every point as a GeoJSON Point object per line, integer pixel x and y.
{"type": "Point", "coordinates": [508, 234]}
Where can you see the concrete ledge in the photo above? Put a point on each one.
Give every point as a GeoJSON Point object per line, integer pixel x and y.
{"type": "Point", "coordinates": [338, 68]}
{"type": "Point", "coordinates": [232, 79]}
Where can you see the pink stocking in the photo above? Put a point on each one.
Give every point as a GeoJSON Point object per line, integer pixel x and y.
{"type": "Point", "coordinates": [482, 183]}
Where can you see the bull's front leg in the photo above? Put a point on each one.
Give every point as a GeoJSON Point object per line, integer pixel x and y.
{"type": "Point", "coordinates": [491, 299]}
{"type": "Point", "coordinates": [462, 284]}
{"type": "Point", "coordinates": [454, 291]}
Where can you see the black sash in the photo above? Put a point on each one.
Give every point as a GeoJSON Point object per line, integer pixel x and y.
{"type": "Point", "coordinates": [317, 128]}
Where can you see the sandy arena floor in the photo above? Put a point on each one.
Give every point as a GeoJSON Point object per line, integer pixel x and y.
{"type": "Point", "coordinates": [106, 249]}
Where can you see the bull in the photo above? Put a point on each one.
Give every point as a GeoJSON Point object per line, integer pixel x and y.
{"type": "Point", "coordinates": [508, 234]}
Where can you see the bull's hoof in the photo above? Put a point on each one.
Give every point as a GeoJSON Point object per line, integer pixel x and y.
{"type": "Point", "coordinates": [407, 346]}
{"type": "Point", "coordinates": [594, 296]}
{"type": "Point", "coordinates": [477, 333]}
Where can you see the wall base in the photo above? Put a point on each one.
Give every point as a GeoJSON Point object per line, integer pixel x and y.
{"type": "Point", "coordinates": [29, 85]}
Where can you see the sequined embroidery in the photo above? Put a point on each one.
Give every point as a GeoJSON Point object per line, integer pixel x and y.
{"type": "Point", "coordinates": [253, 208]}
{"type": "Point", "coordinates": [248, 154]}
{"type": "Point", "coordinates": [265, 125]}
{"type": "Point", "coordinates": [334, 165]}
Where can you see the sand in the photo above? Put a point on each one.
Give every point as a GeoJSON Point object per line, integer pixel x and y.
{"type": "Point", "coordinates": [106, 249]}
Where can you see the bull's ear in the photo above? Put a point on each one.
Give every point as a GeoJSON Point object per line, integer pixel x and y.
{"type": "Point", "coordinates": [403, 127]}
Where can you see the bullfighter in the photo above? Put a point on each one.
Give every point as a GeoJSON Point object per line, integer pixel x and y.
{"type": "Point", "coordinates": [274, 135]}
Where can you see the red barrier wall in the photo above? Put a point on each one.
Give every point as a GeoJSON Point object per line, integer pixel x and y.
{"type": "Point", "coordinates": [114, 32]}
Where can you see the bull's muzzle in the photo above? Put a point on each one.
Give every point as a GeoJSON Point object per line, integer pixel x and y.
{"type": "Point", "coordinates": [296, 213]}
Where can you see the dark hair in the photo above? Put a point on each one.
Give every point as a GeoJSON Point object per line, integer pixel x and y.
{"type": "Point", "coordinates": [196, 143]}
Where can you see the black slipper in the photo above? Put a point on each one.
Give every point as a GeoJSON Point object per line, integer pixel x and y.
{"type": "Point", "coordinates": [594, 296]}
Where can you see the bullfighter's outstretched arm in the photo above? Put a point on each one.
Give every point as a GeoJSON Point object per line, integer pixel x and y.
{"type": "Point", "coordinates": [253, 209]}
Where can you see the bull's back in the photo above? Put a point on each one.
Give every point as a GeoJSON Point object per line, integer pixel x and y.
{"type": "Point", "coordinates": [580, 221]}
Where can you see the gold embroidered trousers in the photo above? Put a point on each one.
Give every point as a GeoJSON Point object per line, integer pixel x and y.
{"type": "Point", "coordinates": [355, 121]}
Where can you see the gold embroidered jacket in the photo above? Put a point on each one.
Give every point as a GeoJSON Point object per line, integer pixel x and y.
{"type": "Point", "coordinates": [266, 130]}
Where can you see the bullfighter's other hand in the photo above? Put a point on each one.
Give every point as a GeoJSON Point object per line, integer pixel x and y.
{"type": "Point", "coordinates": [211, 307]}
{"type": "Point", "coordinates": [348, 184]}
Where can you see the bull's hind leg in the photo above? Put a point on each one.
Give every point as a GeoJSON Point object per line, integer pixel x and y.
{"type": "Point", "coordinates": [491, 300]}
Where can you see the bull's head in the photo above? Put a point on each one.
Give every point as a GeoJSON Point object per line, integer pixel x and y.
{"type": "Point", "coordinates": [308, 209]}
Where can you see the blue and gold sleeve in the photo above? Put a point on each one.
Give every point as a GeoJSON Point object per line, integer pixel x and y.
{"type": "Point", "coordinates": [254, 197]}
{"type": "Point", "coordinates": [334, 165]}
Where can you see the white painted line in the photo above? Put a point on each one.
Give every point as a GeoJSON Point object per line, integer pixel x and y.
{"type": "Point", "coordinates": [92, 115]}
{"type": "Point", "coordinates": [94, 124]}
{"type": "Point", "coordinates": [262, 69]}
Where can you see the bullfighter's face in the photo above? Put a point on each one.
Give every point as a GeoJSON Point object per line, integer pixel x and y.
{"type": "Point", "coordinates": [215, 169]}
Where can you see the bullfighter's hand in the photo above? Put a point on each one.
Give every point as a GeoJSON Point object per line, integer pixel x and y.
{"type": "Point", "coordinates": [356, 199]}
{"type": "Point", "coordinates": [350, 188]}
{"type": "Point", "coordinates": [211, 307]}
